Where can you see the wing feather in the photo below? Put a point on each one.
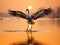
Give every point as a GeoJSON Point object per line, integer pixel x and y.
{"type": "Point", "coordinates": [38, 14]}
{"type": "Point", "coordinates": [18, 13]}
{"type": "Point", "coordinates": [41, 13]}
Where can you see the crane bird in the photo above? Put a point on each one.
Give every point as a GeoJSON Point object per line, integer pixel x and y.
{"type": "Point", "coordinates": [36, 15]}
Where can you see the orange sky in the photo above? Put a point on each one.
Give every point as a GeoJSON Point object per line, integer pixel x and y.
{"type": "Point", "coordinates": [23, 4]}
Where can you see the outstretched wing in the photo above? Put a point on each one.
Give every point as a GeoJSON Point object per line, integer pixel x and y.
{"type": "Point", "coordinates": [18, 13]}
{"type": "Point", "coordinates": [41, 13]}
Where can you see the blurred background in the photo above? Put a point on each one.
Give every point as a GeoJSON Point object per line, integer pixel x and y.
{"type": "Point", "coordinates": [50, 24]}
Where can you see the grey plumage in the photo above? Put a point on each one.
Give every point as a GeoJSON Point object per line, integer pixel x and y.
{"type": "Point", "coordinates": [34, 16]}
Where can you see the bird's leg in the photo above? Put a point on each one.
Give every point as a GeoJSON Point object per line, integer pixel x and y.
{"type": "Point", "coordinates": [29, 33]}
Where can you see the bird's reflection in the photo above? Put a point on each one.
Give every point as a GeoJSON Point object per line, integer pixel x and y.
{"type": "Point", "coordinates": [28, 42]}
